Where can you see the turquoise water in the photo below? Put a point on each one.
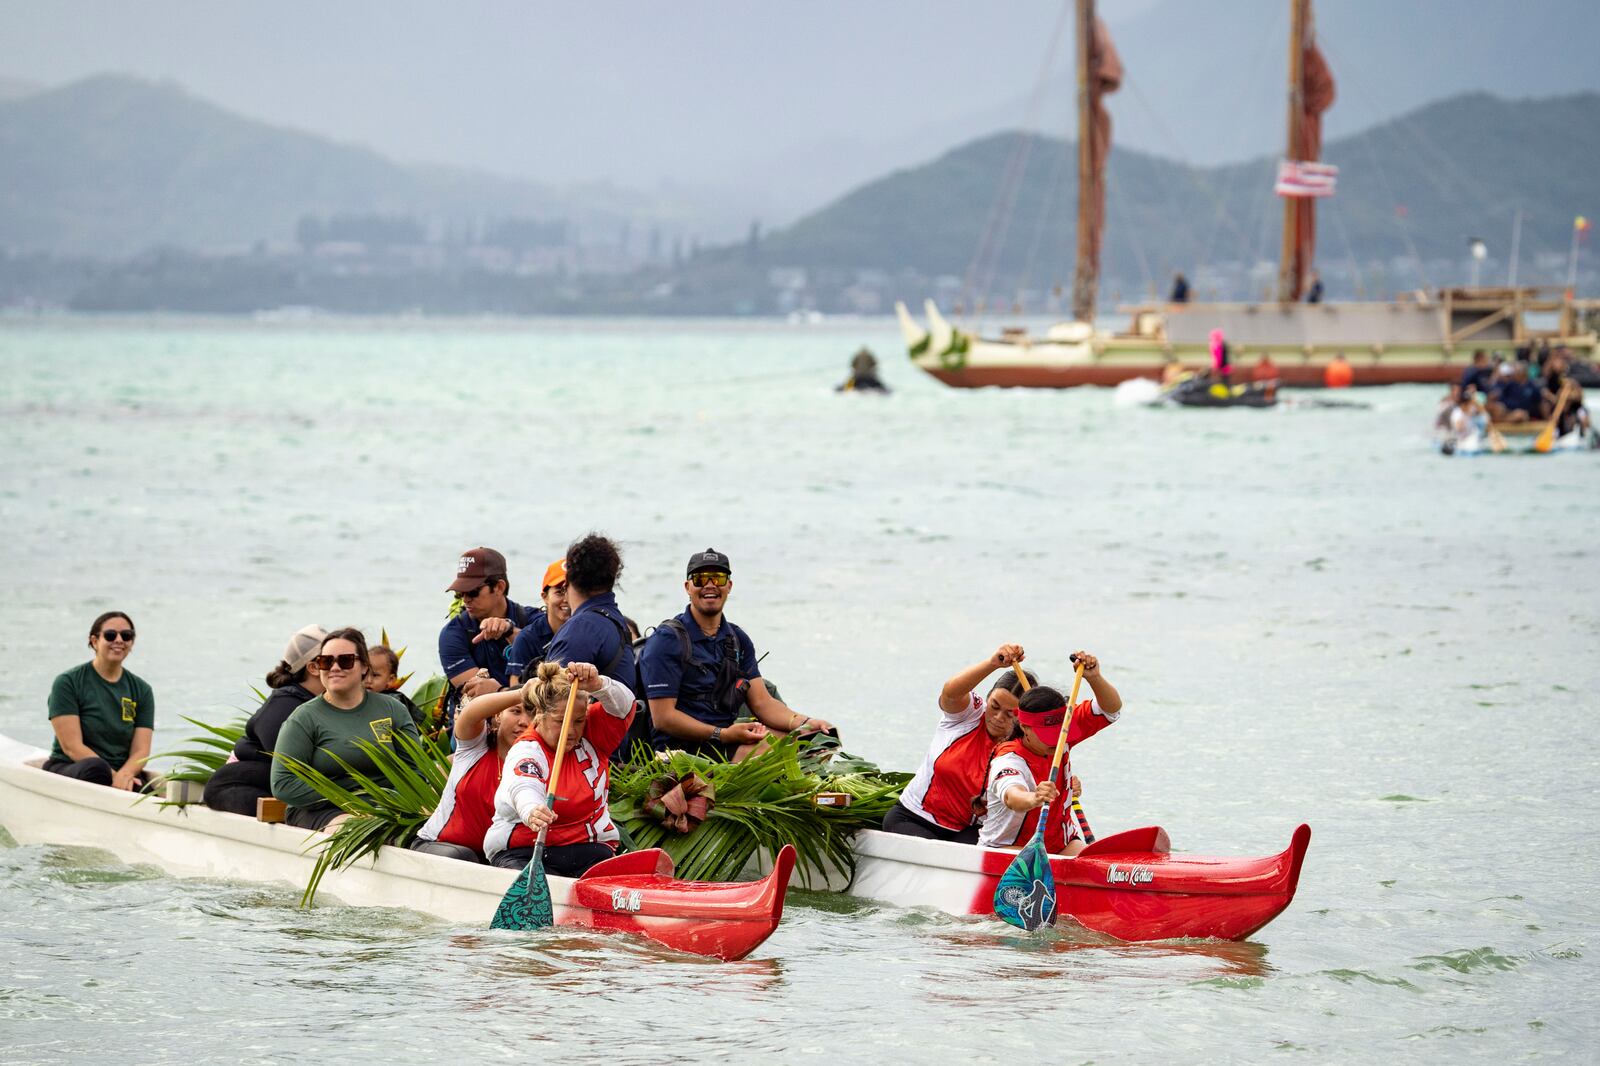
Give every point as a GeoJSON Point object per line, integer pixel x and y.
{"type": "Point", "coordinates": [1311, 615]}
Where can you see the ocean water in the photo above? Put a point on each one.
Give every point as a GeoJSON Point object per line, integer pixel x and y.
{"type": "Point", "coordinates": [1311, 615]}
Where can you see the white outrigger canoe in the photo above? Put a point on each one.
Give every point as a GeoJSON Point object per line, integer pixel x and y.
{"type": "Point", "coordinates": [1129, 886]}
{"type": "Point", "coordinates": [632, 893]}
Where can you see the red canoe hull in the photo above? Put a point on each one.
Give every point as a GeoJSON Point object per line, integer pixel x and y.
{"type": "Point", "coordinates": [1131, 887]}
{"type": "Point", "coordinates": [636, 893]}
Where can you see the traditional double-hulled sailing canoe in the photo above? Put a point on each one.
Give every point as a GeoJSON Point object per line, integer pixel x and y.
{"type": "Point", "coordinates": [1420, 337]}
{"type": "Point", "coordinates": [632, 893]}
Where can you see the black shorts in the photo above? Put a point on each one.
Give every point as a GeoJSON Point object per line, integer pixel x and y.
{"type": "Point", "coordinates": [903, 821]}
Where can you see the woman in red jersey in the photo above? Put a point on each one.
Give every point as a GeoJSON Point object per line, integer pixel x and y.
{"type": "Point", "coordinates": [945, 800]}
{"type": "Point", "coordinates": [580, 830]}
{"type": "Point", "coordinates": [486, 727]}
{"type": "Point", "coordinates": [1018, 783]}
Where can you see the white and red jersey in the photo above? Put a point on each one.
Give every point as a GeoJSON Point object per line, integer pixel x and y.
{"type": "Point", "coordinates": [1014, 766]}
{"type": "Point", "coordinates": [948, 787]}
{"type": "Point", "coordinates": [466, 807]}
{"type": "Point", "coordinates": [581, 812]}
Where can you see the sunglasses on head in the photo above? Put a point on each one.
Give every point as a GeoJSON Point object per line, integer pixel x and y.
{"type": "Point", "coordinates": [116, 634]}
{"type": "Point", "coordinates": [343, 662]}
{"type": "Point", "coordinates": [708, 577]}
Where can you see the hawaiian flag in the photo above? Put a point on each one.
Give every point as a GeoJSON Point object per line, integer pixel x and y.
{"type": "Point", "coordinates": [1300, 180]}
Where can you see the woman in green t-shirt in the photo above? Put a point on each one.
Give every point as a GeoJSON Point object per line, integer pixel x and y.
{"type": "Point", "coordinates": [103, 715]}
{"type": "Point", "coordinates": [330, 725]}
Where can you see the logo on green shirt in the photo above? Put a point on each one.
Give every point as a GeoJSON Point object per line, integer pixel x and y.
{"type": "Point", "coordinates": [130, 709]}
{"type": "Point", "coordinates": [383, 729]}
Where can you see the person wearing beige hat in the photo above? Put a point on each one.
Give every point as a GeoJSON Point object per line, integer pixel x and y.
{"type": "Point", "coordinates": [237, 785]}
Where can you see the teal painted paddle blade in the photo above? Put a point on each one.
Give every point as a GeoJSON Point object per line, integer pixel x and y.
{"type": "Point", "coordinates": [1026, 895]}
{"type": "Point", "coordinates": [526, 904]}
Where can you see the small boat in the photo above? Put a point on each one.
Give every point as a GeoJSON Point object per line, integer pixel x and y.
{"type": "Point", "coordinates": [1201, 391]}
{"type": "Point", "coordinates": [631, 893]}
{"type": "Point", "coordinates": [1129, 886]}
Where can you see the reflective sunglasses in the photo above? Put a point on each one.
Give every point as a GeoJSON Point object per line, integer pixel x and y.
{"type": "Point", "coordinates": [124, 635]}
{"type": "Point", "coordinates": [344, 662]}
{"type": "Point", "coordinates": [709, 577]}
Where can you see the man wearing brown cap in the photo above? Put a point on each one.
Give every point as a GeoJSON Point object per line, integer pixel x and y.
{"type": "Point", "coordinates": [474, 642]}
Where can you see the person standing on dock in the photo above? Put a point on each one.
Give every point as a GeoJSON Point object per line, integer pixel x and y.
{"type": "Point", "coordinates": [1180, 289]}
{"type": "Point", "coordinates": [1314, 292]}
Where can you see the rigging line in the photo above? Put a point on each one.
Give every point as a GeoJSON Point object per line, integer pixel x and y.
{"type": "Point", "coordinates": [1399, 219]}
{"type": "Point", "coordinates": [999, 221]}
{"type": "Point", "coordinates": [1333, 211]}
{"type": "Point", "coordinates": [1469, 183]}
{"type": "Point", "coordinates": [1125, 225]}
{"type": "Point", "coordinates": [1046, 210]}
{"type": "Point", "coordinates": [1191, 236]}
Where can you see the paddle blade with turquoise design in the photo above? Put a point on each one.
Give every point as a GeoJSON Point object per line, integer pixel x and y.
{"type": "Point", "coordinates": [1026, 895]}
{"type": "Point", "coordinates": [526, 904]}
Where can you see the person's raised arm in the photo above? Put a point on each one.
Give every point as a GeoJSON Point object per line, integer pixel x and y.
{"type": "Point", "coordinates": [1105, 693]}
{"type": "Point", "coordinates": [953, 697]}
{"type": "Point", "coordinates": [473, 716]}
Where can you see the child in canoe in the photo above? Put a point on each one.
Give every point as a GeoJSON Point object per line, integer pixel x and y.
{"type": "Point", "coordinates": [945, 800]}
{"type": "Point", "coordinates": [1019, 784]}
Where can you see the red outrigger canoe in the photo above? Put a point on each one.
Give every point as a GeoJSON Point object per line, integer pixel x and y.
{"type": "Point", "coordinates": [636, 893]}
{"type": "Point", "coordinates": [1128, 885]}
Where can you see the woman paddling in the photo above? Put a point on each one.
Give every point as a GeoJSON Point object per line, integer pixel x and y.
{"type": "Point", "coordinates": [237, 785]}
{"type": "Point", "coordinates": [1019, 775]}
{"type": "Point", "coordinates": [102, 714]}
{"type": "Point", "coordinates": [581, 832]}
{"type": "Point", "coordinates": [486, 728]}
{"type": "Point", "coordinates": [945, 800]}
{"type": "Point", "coordinates": [326, 729]}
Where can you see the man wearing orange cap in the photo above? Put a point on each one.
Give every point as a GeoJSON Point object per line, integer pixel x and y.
{"type": "Point", "coordinates": [1019, 784]}
{"type": "Point", "coordinates": [534, 639]}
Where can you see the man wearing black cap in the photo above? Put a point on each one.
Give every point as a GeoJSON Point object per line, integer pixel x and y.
{"type": "Point", "coordinates": [700, 672]}
{"type": "Point", "coordinates": [473, 643]}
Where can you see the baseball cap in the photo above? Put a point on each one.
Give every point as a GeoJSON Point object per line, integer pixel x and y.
{"type": "Point", "coordinates": [554, 574]}
{"type": "Point", "coordinates": [710, 559]}
{"type": "Point", "coordinates": [1045, 724]}
{"type": "Point", "coordinates": [476, 566]}
{"type": "Point", "coordinates": [303, 647]}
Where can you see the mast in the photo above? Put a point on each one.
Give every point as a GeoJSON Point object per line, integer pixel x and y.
{"type": "Point", "coordinates": [1291, 267]}
{"type": "Point", "coordinates": [1086, 276]}
{"type": "Point", "coordinates": [1099, 73]}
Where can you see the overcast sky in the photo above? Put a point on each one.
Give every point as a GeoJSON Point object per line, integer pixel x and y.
{"type": "Point", "coordinates": [791, 101]}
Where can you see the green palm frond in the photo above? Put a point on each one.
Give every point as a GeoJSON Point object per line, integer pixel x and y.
{"type": "Point", "coordinates": [204, 753]}
{"type": "Point", "coordinates": [387, 808]}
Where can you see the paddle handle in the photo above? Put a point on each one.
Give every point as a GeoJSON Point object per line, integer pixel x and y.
{"type": "Point", "coordinates": [1083, 821]}
{"type": "Point", "coordinates": [1061, 741]}
{"type": "Point", "coordinates": [1547, 435]}
{"type": "Point", "coordinates": [1022, 676]}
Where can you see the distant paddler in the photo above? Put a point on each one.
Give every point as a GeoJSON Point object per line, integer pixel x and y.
{"type": "Point", "coordinates": [863, 374]}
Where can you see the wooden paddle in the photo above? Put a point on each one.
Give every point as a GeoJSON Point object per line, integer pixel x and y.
{"type": "Point", "coordinates": [1547, 436]}
{"type": "Point", "coordinates": [526, 904]}
{"type": "Point", "coordinates": [1026, 894]}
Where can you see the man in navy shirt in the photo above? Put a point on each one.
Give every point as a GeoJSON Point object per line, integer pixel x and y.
{"type": "Point", "coordinates": [597, 633]}
{"type": "Point", "coordinates": [474, 642]}
{"type": "Point", "coordinates": [528, 650]}
{"type": "Point", "coordinates": [693, 705]}
{"type": "Point", "coordinates": [1517, 400]}
{"type": "Point", "coordinates": [1480, 375]}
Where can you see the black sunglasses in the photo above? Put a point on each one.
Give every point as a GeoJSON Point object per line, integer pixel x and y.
{"type": "Point", "coordinates": [344, 662]}
{"type": "Point", "coordinates": [124, 635]}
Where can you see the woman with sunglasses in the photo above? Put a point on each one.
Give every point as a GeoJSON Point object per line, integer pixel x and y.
{"type": "Point", "coordinates": [103, 715]}
{"type": "Point", "coordinates": [326, 729]}
{"type": "Point", "coordinates": [581, 832]}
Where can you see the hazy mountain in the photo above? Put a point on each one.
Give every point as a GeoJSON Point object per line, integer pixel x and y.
{"type": "Point", "coordinates": [12, 88]}
{"type": "Point", "coordinates": [1425, 181]}
{"type": "Point", "coordinates": [112, 165]}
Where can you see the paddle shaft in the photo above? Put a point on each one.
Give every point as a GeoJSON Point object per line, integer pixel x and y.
{"type": "Point", "coordinates": [555, 774]}
{"type": "Point", "coordinates": [1547, 436]}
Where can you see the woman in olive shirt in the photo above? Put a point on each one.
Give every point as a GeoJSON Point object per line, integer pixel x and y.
{"type": "Point", "coordinates": [330, 725]}
{"type": "Point", "coordinates": [103, 715]}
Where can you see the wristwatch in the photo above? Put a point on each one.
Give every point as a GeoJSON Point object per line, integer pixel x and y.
{"type": "Point", "coordinates": [716, 734]}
